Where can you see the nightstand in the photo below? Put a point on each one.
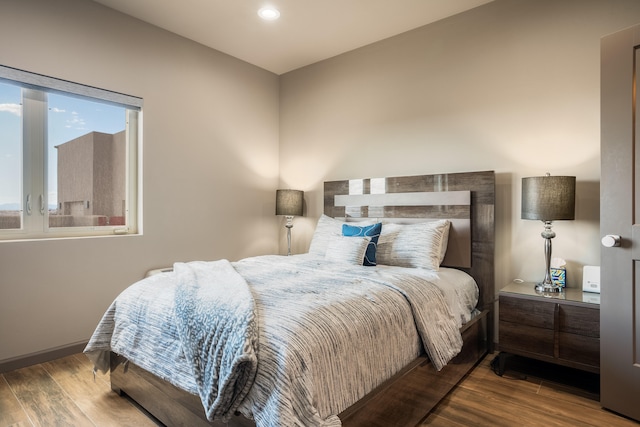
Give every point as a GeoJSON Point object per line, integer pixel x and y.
{"type": "Point", "coordinates": [561, 328]}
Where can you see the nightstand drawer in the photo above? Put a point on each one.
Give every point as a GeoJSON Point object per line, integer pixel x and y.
{"type": "Point", "coordinates": [526, 312]}
{"type": "Point", "coordinates": [580, 349]}
{"type": "Point", "coordinates": [580, 321]}
{"type": "Point", "coordinates": [518, 338]}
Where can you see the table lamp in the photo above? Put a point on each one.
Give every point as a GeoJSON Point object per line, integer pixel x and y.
{"type": "Point", "coordinates": [289, 204]}
{"type": "Point", "coordinates": [548, 198]}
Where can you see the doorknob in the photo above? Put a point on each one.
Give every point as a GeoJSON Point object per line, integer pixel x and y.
{"type": "Point", "coordinates": [611, 241]}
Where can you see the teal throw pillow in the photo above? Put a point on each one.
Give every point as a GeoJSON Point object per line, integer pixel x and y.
{"type": "Point", "coordinates": [372, 231]}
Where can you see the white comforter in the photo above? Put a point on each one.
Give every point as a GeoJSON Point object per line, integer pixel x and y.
{"type": "Point", "coordinates": [327, 333]}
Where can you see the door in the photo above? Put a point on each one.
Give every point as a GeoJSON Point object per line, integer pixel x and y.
{"type": "Point", "coordinates": [620, 215]}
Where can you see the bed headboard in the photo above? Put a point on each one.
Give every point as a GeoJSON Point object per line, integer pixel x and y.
{"type": "Point", "coordinates": [466, 199]}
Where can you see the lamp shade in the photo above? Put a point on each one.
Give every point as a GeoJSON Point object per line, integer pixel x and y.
{"type": "Point", "coordinates": [289, 202]}
{"type": "Point", "coordinates": [548, 198]}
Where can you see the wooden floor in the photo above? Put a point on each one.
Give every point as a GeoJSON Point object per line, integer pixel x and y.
{"type": "Point", "coordinates": [64, 393]}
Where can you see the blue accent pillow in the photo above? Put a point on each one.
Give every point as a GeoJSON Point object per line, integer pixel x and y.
{"type": "Point", "coordinates": [372, 231]}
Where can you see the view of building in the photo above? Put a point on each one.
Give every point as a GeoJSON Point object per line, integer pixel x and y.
{"type": "Point", "coordinates": [91, 183]}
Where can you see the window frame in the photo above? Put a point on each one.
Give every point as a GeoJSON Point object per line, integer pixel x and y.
{"type": "Point", "coordinates": [35, 88]}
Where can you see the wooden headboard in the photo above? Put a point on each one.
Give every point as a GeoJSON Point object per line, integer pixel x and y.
{"type": "Point", "coordinates": [466, 199]}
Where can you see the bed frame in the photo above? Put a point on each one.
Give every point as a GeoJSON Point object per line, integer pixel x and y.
{"type": "Point", "coordinates": [410, 395]}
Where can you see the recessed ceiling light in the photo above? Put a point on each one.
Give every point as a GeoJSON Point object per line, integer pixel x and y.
{"type": "Point", "coordinates": [269, 13]}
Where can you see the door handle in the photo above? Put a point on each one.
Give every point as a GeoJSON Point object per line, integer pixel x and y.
{"type": "Point", "coordinates": [28, 204]}
{"type": "Point", "coordinates": [611, 241]}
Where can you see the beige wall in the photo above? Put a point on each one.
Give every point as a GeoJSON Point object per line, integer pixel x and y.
{"type": "Point", "coordinates": [210, 164]}
{"type": "Point", "coordinates": [511, 86]}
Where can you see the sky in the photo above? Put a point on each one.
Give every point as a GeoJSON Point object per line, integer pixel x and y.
{"type": "Point", "coordinates": [68, 118]}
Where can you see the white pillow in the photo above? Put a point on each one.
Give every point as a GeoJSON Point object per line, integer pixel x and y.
{"type": "Point", "coordinates": [326, 229]}
{"type": "Point", "coordinates": [347, 250]}
{"type": "Point", "coordinates": [418, 245]}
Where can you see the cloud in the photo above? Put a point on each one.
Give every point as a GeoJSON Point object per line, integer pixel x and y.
{"type": "Point", "coordinates": [76, 121]}
{"type": "Point", "coordinates": [57, 110]}
{"type": "Point", "coordinates": [11, 108]}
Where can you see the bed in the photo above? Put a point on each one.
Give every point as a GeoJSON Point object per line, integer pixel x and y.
{"type": "Point", "coordinates": [388, 389]}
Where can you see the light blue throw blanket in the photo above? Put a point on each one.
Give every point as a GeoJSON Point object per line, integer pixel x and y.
{"type": "Point", "coordinates": [215, 314]}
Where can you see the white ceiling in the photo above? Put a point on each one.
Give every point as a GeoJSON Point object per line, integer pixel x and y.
{"type": "Point", "coordinates": [308, 31]}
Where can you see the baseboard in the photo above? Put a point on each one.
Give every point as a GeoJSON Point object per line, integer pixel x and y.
{"type": "Point", "coordinates": [41, 357]}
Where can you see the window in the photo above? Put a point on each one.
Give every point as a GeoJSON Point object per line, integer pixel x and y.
{"type": "Point", "coordinates": [68, 158]}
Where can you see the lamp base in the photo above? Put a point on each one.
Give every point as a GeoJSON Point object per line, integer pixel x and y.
{"type": "Point", "coordinates": [548, 288]}
{"type": "Point", "coordinates": [289, 226]}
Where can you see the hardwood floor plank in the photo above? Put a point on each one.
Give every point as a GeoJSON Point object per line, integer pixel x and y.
{"type": "Point", "coordinates": [569, 394]}
{"type": "Point", "coordinates": [474, 408]}
{"type": "Point", "coordinates": [438, 421]}
{"type": "Point", "coordinates": [557, 399]}
{"type": "Point", "coordinates": [95, 398]}
{"type": "Point", "coordinates": [486, 399]}
{"type": "Point", "coordinates": [581, 409]}
{"type": "Point", "coordinates": [11, 412]}
{"type": "Point", "coordinates": [43, 400]}
{"type": "Point", "coordinates": [88, 366]}
{"type": "Point", "coordinates": [478, 378]}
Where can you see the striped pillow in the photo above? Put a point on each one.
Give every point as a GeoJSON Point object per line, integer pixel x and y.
{"type": "Point", "coordinates": [349, 250]}
{"type": "Point", "coordinates": [416, 245]}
